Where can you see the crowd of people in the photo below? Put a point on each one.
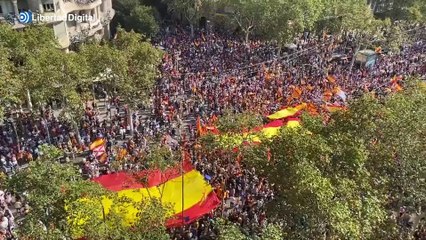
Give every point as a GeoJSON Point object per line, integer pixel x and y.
{"type": "Point", "coordinates": [202, 76]}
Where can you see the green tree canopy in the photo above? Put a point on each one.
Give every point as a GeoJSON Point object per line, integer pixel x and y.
{"type": "Point", "coordinates": [189, 10]}
{"type": "Point", "coordinates": [249, 15]}
{"type": "Point", "coordinates": [9, 87]}
{"type": "Point", "coordinates": [55, 193]}
{"type": "Point", "coordinates": [230, 231]}
{"type": "Point", "coordinates": [344, 179]}
{"type": "Point", "coordinates": [134, 15]}
{"type": "Point", "coordinates": [48, 185]}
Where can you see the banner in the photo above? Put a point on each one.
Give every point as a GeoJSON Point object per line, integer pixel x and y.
{"type": "Point", "coordinates": [196, 195]}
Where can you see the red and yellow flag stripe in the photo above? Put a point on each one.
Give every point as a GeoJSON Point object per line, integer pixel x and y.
{"type": "Point", "coordinates": [97, 143]}
{"type": "Point", "coordinates": [197, 195]}
{"type": "Point", "coordinates": [287, 112]}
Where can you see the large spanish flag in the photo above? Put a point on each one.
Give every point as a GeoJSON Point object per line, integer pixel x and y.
{"type": "Point", "coordinates": [184, 189]}
{"type": "Point", "coordinates": [268, 130]}
{"type": "Point", "coordinates": [272, 129]}
{"type": "Point", "coordinates": [287, 112]}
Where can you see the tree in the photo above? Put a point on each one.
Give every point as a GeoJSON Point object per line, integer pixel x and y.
{"type": "Point", "coordinates": [342, 179]}
{"type": "Point", "coordinates": [418, 11]}
{"type": "Point", "coordinates": [24, 47]}
{"type": "Point", "coordinates": [45, 76]}
{"type": "Point", "coordinates": [142, 60]}
{"type": "Point", "coordinates": [266, 18]}
{"type": "Point", "coordinates": [109, 68]}
{"type": "Point", "coordinates": [234, 129]}
{"type": "Point", "coordinates": [187, 9]}
{"type": "Point", "coordinates": [357, 17]}
{"type": "Point", "coordinates": [394, 136]}
{"type": "Point", "coordinates": [300, 16]}
{"type": "Point", "coordinates": [272, 231]}
{"type": "Point", "coordinates": [102, 222]}
{"type": "Point", "coordinates": [408, 10]}
{"type": "Point", "coordinates": [231, 122]}
{"type": "Point", "coordinates": [133, 15]}
{"type": "Point", "coordinates": [396, 35]}
{"type": "Point", "coordinates": [143, 18]}
{"type": "Point", "coordinates": [9, 87]}
{"type": "Point", "coordinates": [41, 71]}
{"type": "Point", "coordinates": [62, 204]}
{"type": "Point", "coordinates": [228, 230]}
{"type": "Point", "coordinates": [127, 67]}
{"type": "Point", "coordinates": [76, 73]}
{"type": "Point", "coordinates": [90, 219]}
{"type": "Point", "coordinates": [318, 197]}
{"type": "Point", "coordinates": [47, 186]}
{"type": "Point", "coordinates": [249, 15]}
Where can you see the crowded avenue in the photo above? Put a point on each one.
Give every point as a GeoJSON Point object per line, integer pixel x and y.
{"type": "Point", "coordinates": [202, 76]}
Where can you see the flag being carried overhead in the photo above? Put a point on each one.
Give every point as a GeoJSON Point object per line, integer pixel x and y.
{"type": "Point", "coordinates": [272, 129]}
{"type": "Point", "coordinates": [269, 131]}
{"type": "Point", "coordinates": [331, 79]}
{"type": "Point", "coordinates": [98, 149]}
{"type": "Point", "coordinates": [200, 130]}
{"type": "Point", "coordinates": [287, 112]}
{"type": "Point", "coordinates": [182, 188]}
{"type": "Point", "coordinates": [98, 142]}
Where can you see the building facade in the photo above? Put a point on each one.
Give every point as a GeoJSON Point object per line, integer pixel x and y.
{"type": "Point", "coordinates": [71, 20]}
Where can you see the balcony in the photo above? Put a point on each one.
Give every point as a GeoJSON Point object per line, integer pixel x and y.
{"type": "Point", "coordinates": [85, 29]}
{"type": "Point", "coordinates": [91, 27]}
{"type": "Point", "coordinates": [68, 6]}
{"type": "Point", "coordinates": [107, 16]}
{"type": "Point", "coordinates": [12, 20]}
{"type": "Point", "coordinates": [80, 2]}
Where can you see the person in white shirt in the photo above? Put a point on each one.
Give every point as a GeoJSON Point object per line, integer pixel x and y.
{"type": "Point", "coordinates": [4, 223]}
{"type": "Point", "coordinates": [2, 199]}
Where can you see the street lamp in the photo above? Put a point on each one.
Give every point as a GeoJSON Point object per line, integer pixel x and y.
{"type": "Point", "coordinates": [12, 122]}
{"type": "Point", "coordinates": [46, 127]}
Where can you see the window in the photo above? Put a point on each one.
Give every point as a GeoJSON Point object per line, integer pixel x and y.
{"type": "Point", "coordinates": [1, 10]}
{"type": "Point", "coordinates": [48, 7]}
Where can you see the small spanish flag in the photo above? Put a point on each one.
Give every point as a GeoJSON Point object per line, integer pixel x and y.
{"type": "Point", "coordinates": [122, 152]}
{"type": "Point", "coordinates": [297, 92]}
{"type": "Point", "coordinates": [98, 142]}
{"type": "Point", "coordinates": [200, 129]}
{"type": "Point", "coordinates": [331, 79]}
